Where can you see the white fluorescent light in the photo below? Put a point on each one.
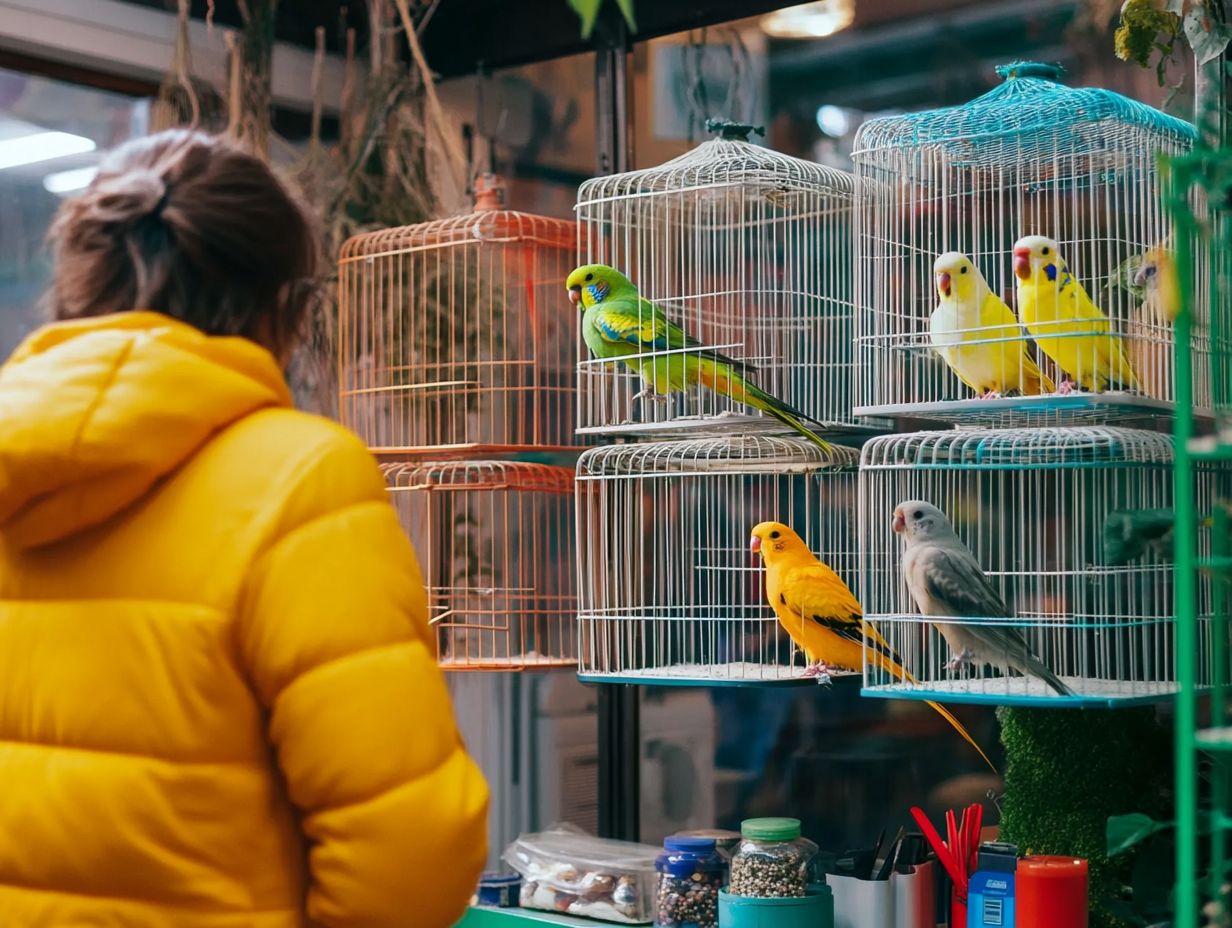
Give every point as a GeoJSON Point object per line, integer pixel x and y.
{"type": "Point", "coordinates": [63, 183]}
{"type": "Point", "coordinates": [41, 146]}
{"type": "Point", "coordinates": [810, 20]}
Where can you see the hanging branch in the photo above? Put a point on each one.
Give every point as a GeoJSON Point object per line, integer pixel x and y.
{"type": "Point", "coordinates": [455, 160]}
{"type": "Point", "coordinates": [181, 99]}
{"type": "Point", "coordinates": [253, 127]}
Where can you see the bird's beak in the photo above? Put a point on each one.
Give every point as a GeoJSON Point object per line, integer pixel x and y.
{"type": "Point", "coordinates": [755, 544]}
{"type": "Point", "coordinates": [943, 283]}
{"type": "Point", "coordinates": [900, 524]}
{"type": "Point", "coordinates": [575, 295]}
{"type": "Point", "coordinates": [1022, 263]}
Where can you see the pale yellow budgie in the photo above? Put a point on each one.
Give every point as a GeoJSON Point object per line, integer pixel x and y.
{"type": "Point", "coordinates": [1150, 331]}
{"type": "Point", "coordinates": [1065, 324]}
{"type": "Point", "coordinates": [966, 330]}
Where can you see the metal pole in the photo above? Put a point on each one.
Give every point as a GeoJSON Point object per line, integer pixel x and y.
{"type": "Point", "coordinates": [619, 727]}
{"type": "Point", "coordinates": [1185, 579]}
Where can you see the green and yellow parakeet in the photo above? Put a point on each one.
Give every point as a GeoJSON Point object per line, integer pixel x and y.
{"type": "Point", "coordinates": [618, 323]}
{"type": "Point", "coordinates": [976, 334]}
{"type": "Point", "coordinates": [1065, 324]}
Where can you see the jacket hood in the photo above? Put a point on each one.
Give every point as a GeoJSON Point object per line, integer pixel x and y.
{"type": "Point", "coordinates": [94, 412]}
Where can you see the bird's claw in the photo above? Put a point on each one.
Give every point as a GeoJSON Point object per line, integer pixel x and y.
{"type": "Point", "coordinates": [820, 670]}
{"type": "Point", "coordinates": [648, 393]}
{"type": "Point", "coordinates": [963, 658]}
{"type": "Point", "coordinates": [991, 395]}
{"type": "Point", "coordinates": [1066, 387]}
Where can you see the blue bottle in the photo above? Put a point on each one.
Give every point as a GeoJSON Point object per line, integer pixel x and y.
{"type": "Point", "coordinates": [990, 891]}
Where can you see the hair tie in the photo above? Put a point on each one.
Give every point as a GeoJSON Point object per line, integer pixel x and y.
{"type": "Point", "coordinates": [162, 202]}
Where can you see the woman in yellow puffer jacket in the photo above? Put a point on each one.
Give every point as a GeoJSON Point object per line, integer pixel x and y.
{"type": "Point", "coordinates": [218, 705]}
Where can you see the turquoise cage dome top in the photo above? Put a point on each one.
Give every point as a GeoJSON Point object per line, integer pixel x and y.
{"type": "Point", "coordinates": [1030, 113]}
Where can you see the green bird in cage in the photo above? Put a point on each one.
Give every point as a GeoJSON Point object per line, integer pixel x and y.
{"type": "Point", "coordinates": [1130, 534]}
{"type": "Point", "coordinates": [618, 323]}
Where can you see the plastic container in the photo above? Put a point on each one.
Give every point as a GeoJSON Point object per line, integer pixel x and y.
{"type": "Point", "coordinates": [725, 841]}
{"type": "Point", "coordinates": [815, 909]}
{"type": "Point", "coordinates": [772, 861]}
{"type": "Point", "coordinates": [566, 870]}
{"type": "Point", "coordinates": [690, 877]}
{"type": "Point", "coordinates": [499, 890]}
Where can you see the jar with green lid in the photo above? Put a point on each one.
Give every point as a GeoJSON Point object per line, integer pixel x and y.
{"type": "Point", "coordinates": [772, 860]}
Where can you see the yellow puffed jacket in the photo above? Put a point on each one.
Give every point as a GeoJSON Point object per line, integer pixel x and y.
{"type": "Point", "coordinates": [218, 707]}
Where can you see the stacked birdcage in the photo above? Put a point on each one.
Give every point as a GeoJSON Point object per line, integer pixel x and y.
{"type": "Point", "coordinates": [1030, 158]}
{"type": "Point", "coordinates": [747, 252]}
{"type": "Point", "coordinates": [456, 350]}
{"type": "Point", "coordinates": [1042, 333]}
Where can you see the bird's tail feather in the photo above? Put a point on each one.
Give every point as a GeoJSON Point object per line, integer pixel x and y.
{"type": "Point", "coordinates": [895, 670]}
{"type": "Point", "coordinates": [730, 384]}
{"type": "Point", "coordinates": [1034, 381]}
{"type": "Point", "coordinates": [1037, 668]}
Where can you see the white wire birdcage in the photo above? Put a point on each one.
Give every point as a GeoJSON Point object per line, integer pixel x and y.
{"type": "Point", "coordinates": [496, 546]}
{"type": "Point", "coordinates": [1031, 157]}
{"type": "Point", "coordinates": [749, 252]}
{"type": "Point", "coordinates": [1037, 507]}
{"type": "Point", "coordinates": [668, 589]}
{"type": "Point", "coordinates": [455, 336]}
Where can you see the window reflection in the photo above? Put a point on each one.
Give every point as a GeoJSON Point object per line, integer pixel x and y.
{"type": "Point", "coordinates": [51, 136]}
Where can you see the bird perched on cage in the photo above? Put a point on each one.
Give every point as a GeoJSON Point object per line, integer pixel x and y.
{"type": "Point", "coordinates": [618, 323]}
{"type": "Point", "coordinates": [1066, 325]}
{"type": "Point", "coordinates": [822, 616]}
{"type": "Point", "coordinates": [1150, 279]}
{"type": "Point", "coordinates": [946, 581]}
{"type": "Point", "coordinates": [1131, 533]}
{"type": "Point", "coordinates": [977, 335]}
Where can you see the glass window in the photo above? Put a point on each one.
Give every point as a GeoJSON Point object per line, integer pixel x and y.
{"type": "Point", "coordinates": [51, 136]}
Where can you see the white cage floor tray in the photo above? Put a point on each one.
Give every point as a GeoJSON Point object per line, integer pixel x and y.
{"type": "Point", "coordinates": [1027, 690]}
{"type": "Point", "coordinates": [736, 673]}
{"type": "Point", "coordinates": [1077, 406]}
{"type": "Point", "coordinates": [517, 662]}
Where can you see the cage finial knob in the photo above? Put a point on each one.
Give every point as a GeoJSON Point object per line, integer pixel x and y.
{"type": "Point", "coordinates": [726, 129]}
{"type": "Point", "coordinates": [489, 192]}
{"type": "Point", "coordinates": [1041, 69]}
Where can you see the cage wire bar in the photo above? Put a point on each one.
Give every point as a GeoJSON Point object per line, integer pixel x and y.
{"type": "Point", "coordinates": [455, 336]}
{"type": "Point", "coordinates": [1032, 505]}
{"type": "Point", "coordinates": [750, 252]}
{"type": "Point", "coordinates": [492, 538]}
{"type": "Point", "coordinates": [1199, 193]}
{"type": "Point", "coordinates": [669, 592]}
{"type": "Point", "coordinates": [1030, 157]}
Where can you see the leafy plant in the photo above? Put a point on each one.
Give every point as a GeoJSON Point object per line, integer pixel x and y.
{"type": "Point", "coordinates": [1058, 799]}
{"type": "Point", "coordinates": [1150, 26]}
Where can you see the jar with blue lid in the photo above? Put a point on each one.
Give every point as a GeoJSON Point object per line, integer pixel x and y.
{"type": "Point", "coordinates": [690, 874]}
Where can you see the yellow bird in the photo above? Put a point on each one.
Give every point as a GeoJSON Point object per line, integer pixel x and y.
{"type": "Point", "coordinates": [977, 336]}
{"type": "Point", "coordinates": [822, 616]}
{"type": "Point", "coordinates": [1066, 325]}
{"type": "Point", "coordinates": [1150, 331]}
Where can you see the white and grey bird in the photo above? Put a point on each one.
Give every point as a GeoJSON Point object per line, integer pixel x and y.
{"type": "Point", "coordinates": [946, 581]}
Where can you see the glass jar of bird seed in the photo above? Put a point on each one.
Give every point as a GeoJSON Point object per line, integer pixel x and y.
{"type": "Point", "coordinates": [772, 861]}
{"type": "Point", "coordinates": [691, 874]}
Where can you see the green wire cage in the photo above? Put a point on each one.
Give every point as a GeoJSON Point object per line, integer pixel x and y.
{"type": "Point", "coordinates": [1199, 197]}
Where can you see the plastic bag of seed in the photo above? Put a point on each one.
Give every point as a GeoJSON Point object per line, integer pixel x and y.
{"type": "Point", "coordinates": [566, 870]}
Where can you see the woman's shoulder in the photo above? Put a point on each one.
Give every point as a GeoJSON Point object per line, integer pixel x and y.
{"type": "Point", "coordinates": [296, 465]}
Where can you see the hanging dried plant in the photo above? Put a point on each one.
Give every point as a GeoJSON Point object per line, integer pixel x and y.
{"type": "Point", "coordinates": [182, 99]}
{"type": "Point", "coordinates": [249, 94]}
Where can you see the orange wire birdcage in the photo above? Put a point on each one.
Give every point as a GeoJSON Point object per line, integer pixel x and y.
{"type": "Point", "coordinates": [495, 541]}
{"type": "Point", "coordinates": [455, 336]}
